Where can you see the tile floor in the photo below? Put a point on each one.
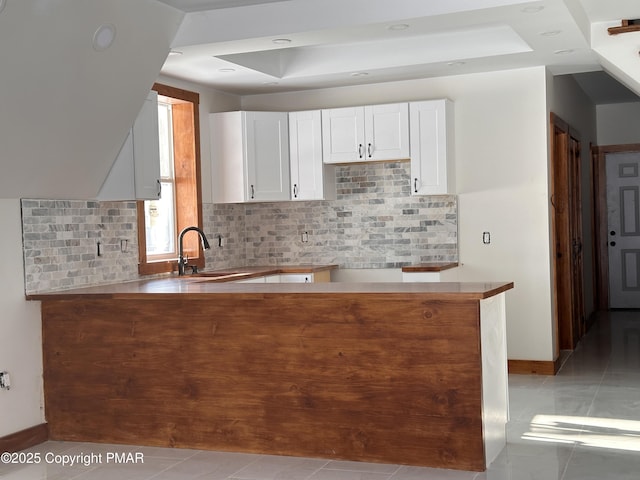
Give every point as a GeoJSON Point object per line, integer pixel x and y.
{"type": "Point", "coordinates": [582, 424]}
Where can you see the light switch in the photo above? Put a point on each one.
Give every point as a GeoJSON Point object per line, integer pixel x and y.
{"type": "Point", "coordinates": [486, 238]}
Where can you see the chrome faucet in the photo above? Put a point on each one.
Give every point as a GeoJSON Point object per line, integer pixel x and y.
{"type": "Point", "coordinates": [182, 262]}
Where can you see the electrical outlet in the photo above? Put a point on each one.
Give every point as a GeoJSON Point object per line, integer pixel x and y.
{"type": "Point", "coordinates": [5, 381]}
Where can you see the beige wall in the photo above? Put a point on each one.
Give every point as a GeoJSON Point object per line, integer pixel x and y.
{"type": "Point", "coordinates": [501, 170]}
{"type": "Point", "coordinates": [20, 332]}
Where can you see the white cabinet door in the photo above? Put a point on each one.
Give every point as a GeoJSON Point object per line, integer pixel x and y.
{"type": "Point", "coordinates": [432, 162]}
{"type": "Point", "coordinates": [135, 174]}
{"type": "Point", "coordinates": [252, 280]}
{"type": "Point", "coordinates": [360, 134]}
{"type": "Point", "coordinates": [226, 134]}
{"type": "Point", "coordinates": [311, 179]}
{"type": "Point", "coordinates": [146, 150]}
{"type": "Point", "coordinates": [387, 131]}
{"type": "Point", "coordinates": [249, 156]}
{"type": "Point", "coordinates": [266, 156]}
{"type": "Point", "coordinates": [409, 277]}
{"type": "Point", "coordinates": [343, 135]}
{"type": "Point", "coordinates": [296, 278]}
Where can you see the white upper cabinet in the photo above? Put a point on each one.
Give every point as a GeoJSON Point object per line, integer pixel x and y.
{"type": "Point", "coordinates": [135, 174]}
{"type": "Point", "coordinates": [310, 178]}
{"type": "Point", "coordinates": [343, 135]}
{"type": "Point", "coordinates": [369, 133]}
{"type": "Point", "coordinates": [386, 131]}
{"type": "Point", "coordinates": [250, 156]}
{"type": "Point", "coordinates": [432, 159]}
{"type": "Point", "coordinates": [146, 150]}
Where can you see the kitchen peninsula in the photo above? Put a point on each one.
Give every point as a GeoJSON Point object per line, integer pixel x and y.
{"type": "Point", "coordinates": [408, 373]}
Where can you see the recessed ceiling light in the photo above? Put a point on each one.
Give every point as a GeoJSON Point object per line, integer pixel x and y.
{"type": "Point", "coordinates": [173, 53]}
{"type": "Point", "coordinates": [532, 9]}
{"type": "Point", "coordinates": [398, 26]}
{"type": "Point", "coordinates": [359, 74]}
{"type": "Point", "coordinates": [3, 3]}
{"type": "Point", "coordinates": [455, 64]}
{"type": "Point", "coordinates": [104, 36]}
{"type": "Point", "coordinates": [270, 84]}
{"type": "Point", "coordinates": [550, 33]}
{"type": "Point", "coordinates": [567, 51]}
{"type": "Point", "coordinates": [281, 41]}
{"type": "Point", "coordinates": [226, 70]}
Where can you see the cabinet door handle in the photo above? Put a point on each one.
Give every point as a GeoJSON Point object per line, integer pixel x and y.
{"type": "Point", "coordinates": [295, 190]}
{"type": "Point", "coordinates": [360, 150]}
{"type": "Point", "coordinates": [415, 185]}
{"type": "Point", "coordinates": [159, 188]}
{"type": "Point", "coordinates": [253, 193]}
{"type": "Point", "coordinates": [369, 150]}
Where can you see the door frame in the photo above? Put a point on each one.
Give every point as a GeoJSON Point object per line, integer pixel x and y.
{"type": "Point", "coordinates": [600, 220]}
{"type": "Point", "coordinates": [565, 204]}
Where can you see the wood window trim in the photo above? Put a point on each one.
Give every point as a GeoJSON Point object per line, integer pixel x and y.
{"type": "Point", "coordinates": [187, 183]}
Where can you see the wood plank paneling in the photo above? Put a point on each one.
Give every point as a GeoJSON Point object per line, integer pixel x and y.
{"type": "Point", "coordinates": [383, 378]}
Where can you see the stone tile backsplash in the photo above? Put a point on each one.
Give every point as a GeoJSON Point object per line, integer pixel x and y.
{"type": "Point", "coordinates": [60, 243]}
{"type": "Point", "coordinates": [373, 223]}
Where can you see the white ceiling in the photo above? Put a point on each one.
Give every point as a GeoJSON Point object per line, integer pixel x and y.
{"type": "Point", "coordinates": [229, 45]}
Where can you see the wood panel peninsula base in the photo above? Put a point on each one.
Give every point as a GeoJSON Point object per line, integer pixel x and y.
{"type": "Point", "coordinates": [394, 373]}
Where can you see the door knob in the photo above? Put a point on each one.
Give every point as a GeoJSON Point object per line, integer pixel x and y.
{"type": "Point", "coordinates": [613, 244]}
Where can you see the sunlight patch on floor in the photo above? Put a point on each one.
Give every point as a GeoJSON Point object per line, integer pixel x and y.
{"type": "Point", "coordinates": [609, 433]}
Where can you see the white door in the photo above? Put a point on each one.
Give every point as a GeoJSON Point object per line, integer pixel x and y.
{"type": "Point", "coordinates": [146, 150]}
{"type": "Point", "coordinates": [623, 212]}
{"type": "Point", "coordinates": [343, 135]}
{"type": "Point", "coordinates": [305, 152]}
{"type": "Point", "coordinates": [267, 156]}
{"type": "Point", "coordinates": [387, 131]}
{"type": "Point", "coordinates": [431, 132]}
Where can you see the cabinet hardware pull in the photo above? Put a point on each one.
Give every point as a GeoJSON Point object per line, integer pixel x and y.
{"type": "Point", "coordinates": [369, 150]}
{"type": "Point", "coordinates": [360, 150]}
{"type": "Point", "coordinates": [159, 188]}
{"type": "Point", "coordinates": [415, 185]}
{"type": "Point", "coordinates": [253, 193]}
{"type": "Point", "coordinates": [295, 190]}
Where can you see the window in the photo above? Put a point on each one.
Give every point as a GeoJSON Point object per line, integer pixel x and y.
{"type": "Point", "coordinates": [180, 206]}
